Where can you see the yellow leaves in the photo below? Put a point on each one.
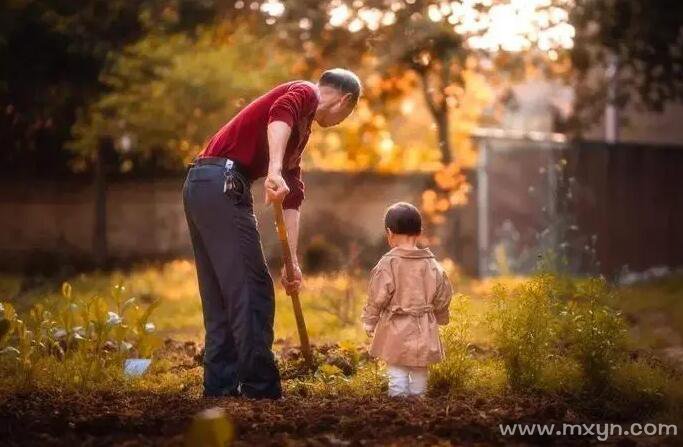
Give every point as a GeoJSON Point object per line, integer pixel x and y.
{"type": "Point", "coordinates": [327, 370]}
{"type": "Point", "coordinates": [99, 308]}
{"type": "Point", "coordinates": [299, 67]}
{"type": "Point", "coordinates": [376, 85]}
{"type": "Point", "coordinates": [379, 121]}
{"type": "Point", "coordinates": [7, 311]}
{"type": "Point", "coordinates": [363, 112]}
{"type": "Point", "coordinates": [450, 177]}
{"type": "Point", "coordinates": [8, 318]}
{"type": "Point", "coordinates": [460, 196]}
{"type": "Point", "coordinates": [454, 90]}
{"type": "Point", "coordinates": [386, 144]}
{"type": "Point", "coordinates": [66, 290]}
{"type": "Point", "coordinates": [452, 191]}
{"type": "Point", "coordinates": [332, 140]}
{"type": "Point", "coordinates": [429, 199]}
{"type": "Point", "coordinates": [442, 205]}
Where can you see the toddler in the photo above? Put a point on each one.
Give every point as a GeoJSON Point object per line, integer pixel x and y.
{"type": "Point", "coordinates": [408, 298]}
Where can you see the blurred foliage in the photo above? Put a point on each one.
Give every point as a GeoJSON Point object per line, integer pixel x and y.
{"type": "Point", "coordinates": [521, 323]}
{"type": "Point", "coordinates": [452, 374]}
{"type": "Point", "coordinates": [74, 340]}
{"type": "Point", "coordinates": [423, 47]}
{"type": "Point", "coordinates": [54, 52]}
{"type": "Point", "coordinates": [451, 190]}
{"type": "Point", "coordinates": [169, 93]}
{"type": "Point", "coordinates": [595, 332]}
{"type": "Point", "coordinates": [647, 40]}
{"type": "Point", "coordinates": [658, 307]}
{"type": "Point", "coordinates": [431, 68]}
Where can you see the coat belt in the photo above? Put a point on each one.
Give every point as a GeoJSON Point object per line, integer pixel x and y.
{"type": "Point", "coordinates": [413, 311]}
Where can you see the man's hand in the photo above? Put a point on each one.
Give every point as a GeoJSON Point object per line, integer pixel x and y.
{"type": "Point", "coordinates": [276, 188]}
{"type": "Point", "coordinates": [293, 286]}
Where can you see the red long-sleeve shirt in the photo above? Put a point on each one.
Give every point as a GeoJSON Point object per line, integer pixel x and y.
{"type": "Point", "coordinates": [244, 138]}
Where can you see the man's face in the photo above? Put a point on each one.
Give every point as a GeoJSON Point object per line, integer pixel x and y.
{"type": "Point", "coordinates": [334, 106]}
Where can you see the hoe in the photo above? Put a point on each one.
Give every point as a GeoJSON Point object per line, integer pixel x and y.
{"type": "Point", "coordinates": [289, 270]}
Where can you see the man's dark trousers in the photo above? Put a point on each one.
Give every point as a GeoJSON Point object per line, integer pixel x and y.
{"type": "Point", "coordinates": [235, 287]}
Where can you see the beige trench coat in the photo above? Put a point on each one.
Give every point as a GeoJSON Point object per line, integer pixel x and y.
{"type": "Point", "coordinates": [408, 298]}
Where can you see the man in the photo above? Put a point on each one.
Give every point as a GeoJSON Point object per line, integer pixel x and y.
{"type": "Point", "coordinates": [265, 139]}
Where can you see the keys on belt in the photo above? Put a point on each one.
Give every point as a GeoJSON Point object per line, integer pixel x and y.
{"type": "Point", "coordinates": [234, 180]}
{"type": "Point", "coordinates": [231, 179]}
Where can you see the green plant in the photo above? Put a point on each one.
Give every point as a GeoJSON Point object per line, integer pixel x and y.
{"type": "Point", "coordinates": [74, 341]}
{"type": "Point", "coordinates": [451, 374]}
{"type": "Point", "coordinates": [637, 388]}
{"type": "Point", "coordinates": [594, 332]}
{"type": "Point", "coordinates": [8, 318]}
{"type": "Point", "coordinates": [523, 323]}
{"type": "Point", "coordinates": [329, 381]}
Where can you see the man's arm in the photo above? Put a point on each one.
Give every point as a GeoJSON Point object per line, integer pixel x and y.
{"type": "Point", "coordinates": [275, 186]}
{"type": "Point", "coordinates": [290, 108]}
{"type": "Point", "coordinates": [276, 190]}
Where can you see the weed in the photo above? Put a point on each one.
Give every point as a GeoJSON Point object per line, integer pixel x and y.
{"type": "Point", "coordinates": [523, 323]}
{"type": "Point", "coordinates": [595, 332]}
{"type": "Point", "coordinates": [450, 375]}
{"type": "Point", "coordinates": [74, 341]}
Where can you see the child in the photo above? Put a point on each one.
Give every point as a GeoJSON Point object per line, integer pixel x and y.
{"type": "Point", "coordinates": [408, 297]}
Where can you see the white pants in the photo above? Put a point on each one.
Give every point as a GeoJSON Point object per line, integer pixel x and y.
{"type": "Point", "coordinates": [407, 380]}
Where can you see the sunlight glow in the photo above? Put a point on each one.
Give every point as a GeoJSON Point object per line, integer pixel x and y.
{"type": "Point", "coordinates": [515, 25]}
{"type": "Point", "coordinates": [273, 8]}
{"type": "Point", "coordinates": [339, 15]}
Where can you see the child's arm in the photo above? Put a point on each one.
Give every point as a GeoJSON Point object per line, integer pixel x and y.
{"type": "Point", "coordinates": [442, 300]}
{"type": "Point", "coordinates": [380, 292]}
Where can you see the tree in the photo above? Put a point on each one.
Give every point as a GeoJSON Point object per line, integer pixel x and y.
{"type": "Point", "coordinates": [432, 41]}
{"type": "Point", "coordinates": [168, 93]}
{"type": "Point", "coordinates": [53, 52]}
{"type": "Point", "coordinates": [645, 37]}
{"type": "Point", "coordinates": [432, 45]}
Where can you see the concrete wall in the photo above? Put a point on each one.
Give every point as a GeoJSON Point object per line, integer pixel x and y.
{"type": "Point", "coordinates": [145, 217]}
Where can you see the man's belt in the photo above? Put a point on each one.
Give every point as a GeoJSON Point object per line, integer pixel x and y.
{"type": "Point", "coordinates": [223, 162]}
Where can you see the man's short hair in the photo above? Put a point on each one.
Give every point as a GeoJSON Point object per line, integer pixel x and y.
{"type": "Point", "coordinates": [343, 80]}
{"type": "Point", "coordinates": [403, 218]}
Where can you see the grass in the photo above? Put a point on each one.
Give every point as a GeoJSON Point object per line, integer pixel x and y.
{"type": "Point", "coordinates": [509, 336]}
{"type": "Point", "coordinates": [657, 307]}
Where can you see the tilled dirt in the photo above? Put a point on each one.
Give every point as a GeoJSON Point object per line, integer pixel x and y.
{"type": "Point", "coordinates": [145, 419]}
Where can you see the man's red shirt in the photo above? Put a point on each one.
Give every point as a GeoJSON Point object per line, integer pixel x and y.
{"type": "Point", "coordinates": [244, 138]}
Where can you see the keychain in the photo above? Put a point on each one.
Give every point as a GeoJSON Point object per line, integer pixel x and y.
{"type": "Point", "coordinates": [229, 181]}
{"type": "Point", "coordinates": [232, 182]}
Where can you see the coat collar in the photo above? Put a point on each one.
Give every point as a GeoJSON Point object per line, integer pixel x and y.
{"type": "Point", "coordinates": [417, 253]}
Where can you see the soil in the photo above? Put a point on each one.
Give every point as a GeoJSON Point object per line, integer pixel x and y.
{"type": "Point", "coordinates": [145, 419]}
{"type": "Point", "coordinates": [141, 418]}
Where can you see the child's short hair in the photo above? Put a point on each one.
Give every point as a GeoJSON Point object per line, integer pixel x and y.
{"type": "Point", "coordinates": [403, 218]}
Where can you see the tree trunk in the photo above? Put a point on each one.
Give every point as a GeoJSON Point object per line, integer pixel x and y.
{"type": "Point", "coordinates": [99, 246]}
{"type": "Point", "coordinates": [443, 128]}
{"type": "Point", "coordinates": [440, 115]}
